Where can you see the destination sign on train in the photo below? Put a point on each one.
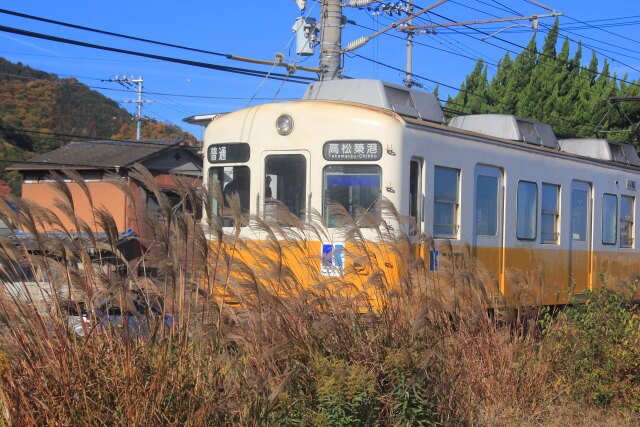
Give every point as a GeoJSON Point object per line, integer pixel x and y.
{"type": "Point", "coordinates": [352, 150]}
{"type": "Point", "coordinates": [228, 153]}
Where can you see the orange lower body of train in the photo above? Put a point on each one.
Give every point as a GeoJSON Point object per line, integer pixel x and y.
{"type": "Point", "coordinates": [371, 272]}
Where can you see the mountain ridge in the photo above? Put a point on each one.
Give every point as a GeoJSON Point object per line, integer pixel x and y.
{"type": "Point", "coordinates": [40, 111]}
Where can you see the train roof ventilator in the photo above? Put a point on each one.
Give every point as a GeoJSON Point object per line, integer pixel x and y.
{"type": "Point", "coordinates": [601, 149]}
{"type": "Point", "coordinates": [400, 99]}
{"type": "Point", "coordinates": [508, 127]}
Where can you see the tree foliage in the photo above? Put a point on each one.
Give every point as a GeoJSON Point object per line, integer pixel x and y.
{"type": "Point", "coordinates": [550, 86]}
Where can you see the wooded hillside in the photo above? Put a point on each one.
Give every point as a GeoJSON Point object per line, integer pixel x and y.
{"type": "Point", "coordinates": [554, 88]}
{"type": "Point", "coordinates": [40, 112]}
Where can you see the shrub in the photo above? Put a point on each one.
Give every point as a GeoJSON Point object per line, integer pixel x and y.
{"type": "Point", "coordinates": [345, 392]}
{"type": "Point", "coordinates": [407, 391]}
{"type": "Point", "coordinates": [597, 347]}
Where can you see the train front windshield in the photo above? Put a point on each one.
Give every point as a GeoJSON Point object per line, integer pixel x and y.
{"type": "Point", "coordinates": [356, 188]}
{"type": "Point", "coordinates": [233, 180]}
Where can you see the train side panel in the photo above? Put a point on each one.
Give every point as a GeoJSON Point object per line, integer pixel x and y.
{"type": "Point", "coordinates": [536, 251]}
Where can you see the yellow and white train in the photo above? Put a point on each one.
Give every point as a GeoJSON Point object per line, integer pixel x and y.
{"type": "Point", "coordinates": [561, 212]}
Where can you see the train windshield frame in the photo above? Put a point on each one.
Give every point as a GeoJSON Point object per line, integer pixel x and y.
{"type": "Point", "coordinates": [355, 189]}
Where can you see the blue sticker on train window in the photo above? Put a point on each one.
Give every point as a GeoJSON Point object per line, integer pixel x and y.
{"type": "Point", "coordinates": [352, 180]}
{"type": "Point", "coordinates": [332, 263]}
{"type": "Point", "coordinates": [433, 260]}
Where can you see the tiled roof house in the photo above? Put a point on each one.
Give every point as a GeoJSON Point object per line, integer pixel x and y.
{"type": "Point", "coordinates": [97, 160]}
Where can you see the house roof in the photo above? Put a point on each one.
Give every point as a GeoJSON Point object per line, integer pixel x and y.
{"type": "Point", "coordinates": [100, 154]}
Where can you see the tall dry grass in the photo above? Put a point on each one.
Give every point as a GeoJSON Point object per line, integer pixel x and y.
{"type": "Point", "coordinates": [250, 345]}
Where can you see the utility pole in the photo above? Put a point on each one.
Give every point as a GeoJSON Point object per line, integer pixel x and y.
{"type": "Point", "coordinates": [128, 82]}
{"type": "Point", "coordinates": [408, 79]}
{"type": "Point", "coordinates": [331, 40]}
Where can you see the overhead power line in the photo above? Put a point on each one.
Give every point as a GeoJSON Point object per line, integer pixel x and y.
{"type": "Point", "coordinates": [598, 50]}
{"type": "Point", "coordinates": [109, 33]}
{"type": "Point", "coordinates": [564, 29]}
{"type": "Point", "coordinates": [458, 54]}
{"type": "Point", "coordinates": [590, 47]}
{"type": "Point", "coordinates": [605, 31]}
{"type": "Point", "coordinates": [511, 10]}
{"type": "Point", "coordinates": [66, 136]}
{"type": "Point", "coordinates": [177, 95]}
{"type": "Point", "coordinates": [236, 70]}
{"type": "Point", "coordinates": [159, 43]}
{"type": "Point", "coordinates": [535, 51]}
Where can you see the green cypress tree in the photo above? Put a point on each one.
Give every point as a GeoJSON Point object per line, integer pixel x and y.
{"type": "Point", "coordinates": [520, 75]}
{"type": "Point", "coordinates": [601, 89]}
{"type": "Point", "coordinates": [557, 108]}
{"type": "Point", "coordinates": [471, 99]}
{"type": "Point", "coordinates": [551, 87]}
{"type": "Point", "coordinates": [541, 87]}
{"type": "Point", "coordinates": [500, 99]}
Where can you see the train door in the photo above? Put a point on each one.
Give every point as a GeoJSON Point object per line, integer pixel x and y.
{"type": "Point", "coordinates": [488, 239]}
{"type": "Point", "coordinates": [284, 184]}
{"type": "Point", "coordinates": [580, 239]}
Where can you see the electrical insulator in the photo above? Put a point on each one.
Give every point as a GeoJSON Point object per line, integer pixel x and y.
{"type": "Point", "coordinates": [356, 44]}
{"type": "Point", "coordinates": [357, 3]}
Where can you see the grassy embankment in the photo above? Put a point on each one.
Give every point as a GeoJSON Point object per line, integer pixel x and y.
{"type": "Point", "coordinates": [293, 356]}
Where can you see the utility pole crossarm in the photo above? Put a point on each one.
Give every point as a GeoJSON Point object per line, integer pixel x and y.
{"type": "Point", "coordinates": [127, 81]}
{"type": "Point", "coordinates": [363, 40]}
{"type": "Point", "coordinates": [481, 21]}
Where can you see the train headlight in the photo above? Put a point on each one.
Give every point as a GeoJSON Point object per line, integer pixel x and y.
{"type": "Point", "coordinates": [284, 124]}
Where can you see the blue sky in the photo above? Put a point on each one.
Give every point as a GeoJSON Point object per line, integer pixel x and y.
{"type": "Point", "coordinates": [260, 29]}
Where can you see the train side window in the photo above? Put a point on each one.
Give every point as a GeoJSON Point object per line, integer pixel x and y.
{"type": "Point", "coordinates": [550, 214]}
{"type": "Point", "coordinates": [286, 181]}
{"type": "Point", "coordinates": [356, 188]}
{"type": "Point", "coordinates": [609, 219]}
{"type": "Point", "coordinates": [527, 208]}
{"type": "Point", "coordinates": [627, 217]}
{"type": "Point", "coordinates": [446, 202]}
{"type": "Point", "coordinates": [232, 180]}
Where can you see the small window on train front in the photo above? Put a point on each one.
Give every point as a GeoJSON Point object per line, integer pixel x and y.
{"type": "Point", "coordinates": [234, 182]}
{"type": "Point", "coordinates": [286, 182]}
{"type": "Point", "coordinates": [446, 202]}
{"type": "Point", "coordinates": [609, 219]}
{"type": "Point", "coordinates": [355, 189]}
{"type": "Point", "coordinates": [627, 219]}
{"type": "Point", "coordinates": [527, 208]}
